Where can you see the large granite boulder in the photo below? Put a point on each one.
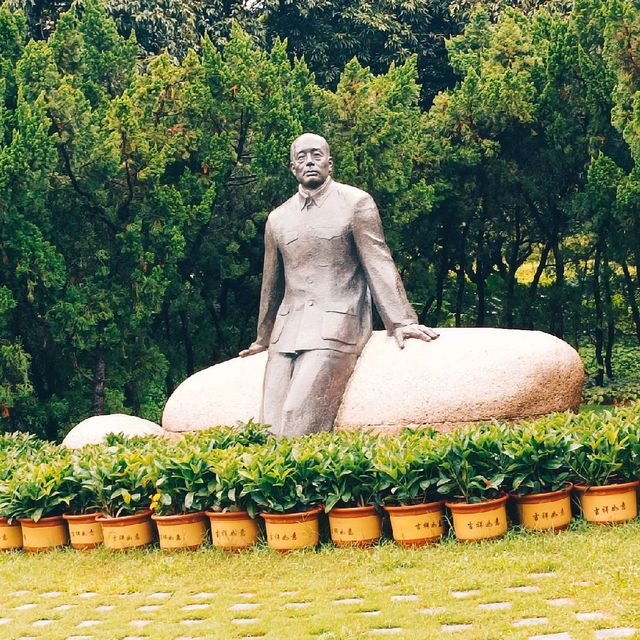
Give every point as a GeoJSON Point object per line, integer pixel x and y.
{"type": "Point", "coordinates": [466, 375]}
{"type": "Point", "coordinates": [95, 429]}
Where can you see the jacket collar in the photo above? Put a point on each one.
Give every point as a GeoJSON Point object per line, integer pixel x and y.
{"type": "Point", "coordinates": [315, 196]}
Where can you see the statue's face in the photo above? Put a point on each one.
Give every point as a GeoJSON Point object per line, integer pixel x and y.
{"type": "Point", "coordinates": [311, 162]}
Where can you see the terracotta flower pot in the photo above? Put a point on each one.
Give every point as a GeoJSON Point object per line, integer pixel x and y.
{"type": "Point", "coordinates": [232, 530]}
{"type": "Point", "coordinates": [416, 525]}
{"type": "Point", "coordinates": [85, 532]}
{"type": "Point", "coordinates": [127, 532]}
{"type": "Point", "coordinates": [609, 504]}
{"type": "Point", "coordinates": [47, 533]}
{"type": "Point", "coordinates": [10, 535]}
{"type": "Point", "coordinates": [479, 521]}
{"type": "Point", "coordinates": [355, 526]}
{"type": "Point", "coordinates": [545, 511]}
{"type": "Point", "coordinates": [183, 531]}
{"type": "Point", "coordinates": [289, 531]}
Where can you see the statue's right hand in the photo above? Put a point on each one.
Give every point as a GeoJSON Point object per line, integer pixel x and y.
{"type": "Point", "coordinates": [253, 348]}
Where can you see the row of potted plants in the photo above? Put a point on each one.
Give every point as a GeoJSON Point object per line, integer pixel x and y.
{"type": "Point", "coordinates": [229, 476]}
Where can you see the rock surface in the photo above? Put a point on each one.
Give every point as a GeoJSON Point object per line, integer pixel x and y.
{"type": "Point", "coordinates": [95, 429]}
{"type": "Point", "coordinates": [466, 375]}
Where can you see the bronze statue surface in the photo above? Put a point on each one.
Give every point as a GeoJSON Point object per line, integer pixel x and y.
{"type": "Point", "coordinates": [325, 258]}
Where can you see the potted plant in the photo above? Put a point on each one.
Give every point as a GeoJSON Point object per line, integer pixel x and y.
{"type": "Point", "coordinates": [85, 532]}
{"type": "Point", "coordinates": [36, 494]}
{"type": "Point", "coordinates": [281, 478]}
{"type": "Point", "coordinates": [232, 513]}
{"type": "Point", "coordinates": [120, 480]}
{"type": "Point", "coordinates": [538, 475]}
{"type": "Point", "coordinates": [407, 473]}
{"type": "Point", "coordinates": [348, 487]}
{"type": "Point", "coordinates": [605, 466]}
{"type": "Point", "coordinates": [473, 480]}
{"type": "Point", "coordinates": [181, 477]}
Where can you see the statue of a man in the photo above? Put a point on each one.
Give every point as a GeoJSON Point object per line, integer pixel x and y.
{"type": "Point", "coordinates": [325, 257]}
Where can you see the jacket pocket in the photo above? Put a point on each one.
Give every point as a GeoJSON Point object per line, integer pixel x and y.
{"type": "Point", "coordinates": [290, 236]}
{"type": "Point", "coordinates": [278, 325]}
{"type": "Point", "coordinates": [328, 233]}
{"type": "Point", "coordinates": [342, 325]}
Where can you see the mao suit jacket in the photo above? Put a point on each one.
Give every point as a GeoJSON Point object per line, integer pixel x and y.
{"type": "Point", "coordinates": [325, 256]}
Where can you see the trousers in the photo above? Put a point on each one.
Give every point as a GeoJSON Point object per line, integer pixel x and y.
{"type": "Point", "coordinates": [302, 391]}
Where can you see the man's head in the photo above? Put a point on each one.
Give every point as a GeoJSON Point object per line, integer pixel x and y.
{"type": "Point", "coordinates": [311, 160]}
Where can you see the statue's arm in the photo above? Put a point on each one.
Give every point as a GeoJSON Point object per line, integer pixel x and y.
{"type": "Point", "coordinates": [382, 276]}
{"type": "Point", "coordinates": [270, 294]}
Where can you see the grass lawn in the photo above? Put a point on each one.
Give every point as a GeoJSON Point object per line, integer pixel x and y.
{"type": "Point", "coordinates": [580, 584]}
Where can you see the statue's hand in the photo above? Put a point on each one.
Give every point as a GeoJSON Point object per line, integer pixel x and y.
{"type": "Point", "coordinates": [414, 331]}
{"type": "Point", "coordinates": [253, 348]}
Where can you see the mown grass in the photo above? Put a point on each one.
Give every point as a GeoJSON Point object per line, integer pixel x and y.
{"type": "Point", "coordinates": [596, 568]}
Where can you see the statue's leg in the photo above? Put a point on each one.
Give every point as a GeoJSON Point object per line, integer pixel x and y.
{"type": "Point", "coordinates": [315, 392]}
{"type": "Point", "coordinates": [277, 377]}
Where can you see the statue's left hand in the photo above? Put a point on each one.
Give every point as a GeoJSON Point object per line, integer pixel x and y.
{"type": "Point", "coordinates": [414, 331]}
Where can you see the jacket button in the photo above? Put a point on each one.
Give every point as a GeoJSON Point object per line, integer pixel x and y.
{"type": "Point", "coordinates": [310, 303]}
{"type": "Point", "coordinates": [310, 280]}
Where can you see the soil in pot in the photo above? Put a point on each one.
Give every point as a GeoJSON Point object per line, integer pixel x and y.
{"type": "Point", "coordinates": [355, 526]}
{"type": "Point", "coordinates": [609, 504]}
{"type": "Point", "coordinates": [84, 531]}
{"type": "Point", "coordinates": [181, 532]}
{"type": "Point", "coordinates": [47, 533]}
{"type": "Point", "coordinates": [233, 530]}
{"type": "Point", "coordinates": [290, 531]}
{"type": "Point", "coordinates": [10, 535]}
{"type": "Point", "coordinates": [416, 525]}
{"type": "Point", "coordinates": [550, 511]}
{"type": "Point", "coordinates": [479, 521]}
{"type": "Point", "coordinates": [127, 532]}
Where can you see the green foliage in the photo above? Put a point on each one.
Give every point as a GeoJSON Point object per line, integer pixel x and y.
{"type": "Point", "coordinates": [348, 476]}
{"type": "Point", "coordinates": [537, 455]}
{"type": "Point", "coordinates": [473, 464]}
{"type": "Point", "coordinates": [228, 490]}
{"type": "Point", "coordinates": [407, 468]}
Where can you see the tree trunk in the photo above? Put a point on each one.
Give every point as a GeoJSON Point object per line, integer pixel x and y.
{"type": "Point", "coordinates": [186, 340]}
{"type": "Point", "coordinates": [480, 282]}
{"type": "Point", "coordinates": [533, 287]}
{"type": "Point", "coordinates": [557, 314]}
{"type": "Point", "coordinates": [598, 325]}
{"type": "Point", "coordinates": [98, 386]}
{"type": "Point", "coordinates": [611, 323]}
{"type": "Point", "coordinates": [631, 297]}
{"type": "Point", "coordinates": [460, 282]}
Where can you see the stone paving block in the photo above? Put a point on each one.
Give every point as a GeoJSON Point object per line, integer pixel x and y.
{"type": "Point", "coordinates": [384, 631]}
{"type": "Point", "coordinates": [465, 594]}
{"type": "Point", "coordinates": [88, 623]}
{"type": "Point", "coordinates": [64, 607]}
{"type": "Point", "coordinates": [618, 632]}
{"type": "Point", "coordinates": [529, 622]}
{"type": "Point", "coordinates": [80, 638]}
{"type": "Point", "coordinates": [348, 601]}
{"type": "Point", "coordinates": [136, 638]}
{"type": "Point", "coordinates": [296, 605]}
{"type": "Point", "coordinates": [192, 621]}
{"type": "Point", "coordinates": [203, 595]}
{"type": "Point", "coordinates": [160, 595]}
{"type": "Point", "coordinates": [20, 594]}
{"type": "Point", "coordinates": [494, 606]}
{"type": "Point", "coordinates": [105, 607]}
{"type": "Point", "coordinates": [140, 623]}
{"type": "Point", "coordinates": [150, 607]}
{"type": "Point", "coordinates": [559, 602]}
{"type": "Point", "coordinates": [286, 594]}
{"type": "Point", "coordinates": [585, 616]}
{"type": "Point", "coordinates": [196, 607]}
{"type": "Point", "coordinates": [453, 628]}
{"type": "Point", "coordinates": [42, 623]}
{"type": "Point", "coordinates": [244, 606]}
{"type": "Point", "coordinates": [52, 594]}
{"type": "Point", "coordinates": [582, 583]}
{"type": "Point", "coordinates": [405, 598]}
{"type": "Point", "coordinates": [245, 620]}
{"type": "Point", "coordinates": [526, 588]}
{"type": "Point", "coordinates": [24, 607]}
{"type": "Point", "coordinates": [431, 611]}
{"type": "Point", "coordinates": [552, 636]}
{"type": "Point", "coordinates": [189, 638]}
{"type": "Point", "coordinates": [87, 594]}
{"type": "Point", "coordinates": [5, 620]}
{"type": "Point", "coordinates": [543, 574]}
{"type": "Point", "coordinates": [247, 594]}
{"type": "Point", "coordinates": [366, 614]}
